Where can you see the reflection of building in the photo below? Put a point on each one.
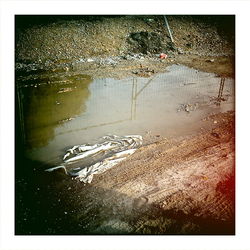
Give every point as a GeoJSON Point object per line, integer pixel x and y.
{"type": "Point", "coordinates": [48, 105]}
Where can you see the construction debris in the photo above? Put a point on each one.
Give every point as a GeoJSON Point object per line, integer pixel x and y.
{"type": "Point", "coordinates": [83, 161]}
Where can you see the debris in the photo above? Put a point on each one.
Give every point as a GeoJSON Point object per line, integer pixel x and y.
{"type": "Point", "coordinates": [150, 20]}
{"type": "Point", "coordinates": [90, 60]}
{"type": "Point", "coordinates": [189, 83]}
{"type": "Point", "coordinates": [187, 108]}
{"type": "Point", "coordinates": [66, 120]}
{"type": "Point", "coordinates": [163, 56]}
{"type": "Point", "coordinates": [180, 51]}
{"type": "Point", "coordinates": [143, 72]}
{"type": "Point", "coordinates": [63, 90]}
{"type": "Point", "coordinates": [83, 161]}
{"type": "Point", "coordinates": [209, 60]}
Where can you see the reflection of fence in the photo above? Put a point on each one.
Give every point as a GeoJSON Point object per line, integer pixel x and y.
{"type": "Point", "coordinates": [19, 112]}
{"type": "Point", "coordinates": [219, 98]}
{"type": "Point", "coordinates": [167, 92]}
{"type": "Point", "coordinates": [109, 101]}
{"type": "Point", "coordinates": [135, 93]}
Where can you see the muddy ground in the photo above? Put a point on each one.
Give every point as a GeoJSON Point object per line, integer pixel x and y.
{"type": "Point", "coordinates": [180, 185]}
{"type": "Point", "coordinates": [184, 185]}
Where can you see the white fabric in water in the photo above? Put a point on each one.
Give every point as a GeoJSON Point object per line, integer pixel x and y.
{"type": "Point", "coordinates": [116, 149]}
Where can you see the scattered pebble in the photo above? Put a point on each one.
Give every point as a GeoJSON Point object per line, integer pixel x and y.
{"type": "Point", "coordinates": [215, 135]}
{"type": "Point", "coordinates": [90, 60]}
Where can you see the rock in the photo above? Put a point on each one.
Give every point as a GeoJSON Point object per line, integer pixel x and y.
{"type": "Point", "coordinates": [209, 60]}
{"type": "Point", "coordinates": [215, 135]}
{"type": "Point", "coordinates": [187, 108]}
{"type": "Point", "coordinates": [90, 60]}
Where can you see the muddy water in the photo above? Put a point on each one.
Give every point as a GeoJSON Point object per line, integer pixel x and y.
{"type": "Point", "coordinates": [58, 110]}
{"type": "Point", "coordinates": [71, 110]}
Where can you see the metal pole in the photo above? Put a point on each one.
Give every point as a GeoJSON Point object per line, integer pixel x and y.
{"type": "Point", "coordinates": [169, 30]}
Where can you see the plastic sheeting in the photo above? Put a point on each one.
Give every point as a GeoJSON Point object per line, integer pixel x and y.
{"type": "Point", "coordinates": [83, 161]}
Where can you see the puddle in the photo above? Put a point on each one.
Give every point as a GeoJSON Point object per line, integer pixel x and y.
{"type": "Point", "coordinates": [76, 110]}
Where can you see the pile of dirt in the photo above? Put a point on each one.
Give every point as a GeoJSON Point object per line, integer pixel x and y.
{"type": "Point", "coordinates": [148, 42]}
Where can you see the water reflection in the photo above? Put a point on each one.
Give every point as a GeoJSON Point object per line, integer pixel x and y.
{"type": "Point", "coordinates": [111, 106]}
{"type": "Point", "coordinates": [48, 105]}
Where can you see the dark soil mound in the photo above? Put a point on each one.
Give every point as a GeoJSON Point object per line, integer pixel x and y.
{"type": "Point", "coordinates": [144, 42]}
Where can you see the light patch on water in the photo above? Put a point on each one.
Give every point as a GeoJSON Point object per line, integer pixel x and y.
{"type": "Point", "coordinates": [58, 120]}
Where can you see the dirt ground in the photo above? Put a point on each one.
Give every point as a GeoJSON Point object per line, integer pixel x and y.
{"type": "Point", "coordinates": [121, 46]}
{"type": "Point", "coordinates": [181, 185]}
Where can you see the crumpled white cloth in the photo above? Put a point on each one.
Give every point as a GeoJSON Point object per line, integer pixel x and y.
{"type": "Point", "coordinates": [113, 149]}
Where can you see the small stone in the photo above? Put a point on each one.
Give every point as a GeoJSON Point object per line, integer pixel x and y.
{"type": "Point", "coordinates": [90, 60]}
{"type": "Point", "coordinates": [180, 51]}
{"type": "Point", "coordinates": [215, 135]}
{"type": "Point", "coordinates": [210, 60]}
{"type": "Point", "coordinates": [215, 122]}
{"type": "Point", "coordinates": [187, 109]}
